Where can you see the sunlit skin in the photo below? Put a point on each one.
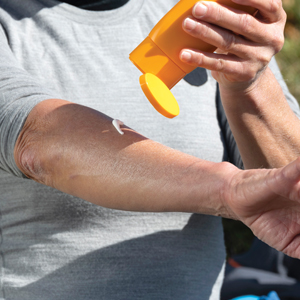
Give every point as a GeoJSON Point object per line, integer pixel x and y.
{"type": "Point", "coordinates": [259, 116]}
{"type": "Point", "coordinates": [131, 172]}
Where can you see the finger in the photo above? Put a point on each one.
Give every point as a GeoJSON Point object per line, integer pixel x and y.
{"type": "Point", "coordinates": [271, 10]}
{"type": "Point", "coordinates": [234, 20]}
{"type": "Point", "coordinates": [287, 177]}
{"type": "Point", "coordinates": [228, 64]}
{"type": "Point", "coordinates": [221, 38]}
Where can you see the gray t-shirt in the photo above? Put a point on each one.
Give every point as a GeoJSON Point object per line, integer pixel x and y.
{"type": "Point", "coordinates": [55, 246]}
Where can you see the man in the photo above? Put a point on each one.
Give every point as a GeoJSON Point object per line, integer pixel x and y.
{"type": "Point", "coordinates": [65, 75]}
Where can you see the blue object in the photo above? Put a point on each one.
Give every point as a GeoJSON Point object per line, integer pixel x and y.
{"type": "Point", "coordinates": [271, 296]}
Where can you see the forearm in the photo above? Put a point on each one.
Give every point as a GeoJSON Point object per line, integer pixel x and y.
{"type": "Point", "coordinates": [264, 126]}
{"type": "Point", "coordinates": [262, 123]}
{"type": "Point", "coordinates": [77, 150]}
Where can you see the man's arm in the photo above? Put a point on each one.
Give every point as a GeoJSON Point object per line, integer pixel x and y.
{"type": "Point", "coordinates": [266, 129]}
{"type": "Point", "coordinates": [264, 126]}
{"type": "Point", "coordinates": [77, 150]}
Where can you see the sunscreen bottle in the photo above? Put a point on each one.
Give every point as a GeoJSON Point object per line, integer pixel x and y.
{"type": "Point", "coordinates": [157, 57]}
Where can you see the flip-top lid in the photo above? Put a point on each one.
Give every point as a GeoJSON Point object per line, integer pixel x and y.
{"type": "Point", "coordinates": [159, 95]}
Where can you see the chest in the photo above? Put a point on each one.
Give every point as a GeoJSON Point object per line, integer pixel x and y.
{"type": "Point", "coordinates": [88, 64]}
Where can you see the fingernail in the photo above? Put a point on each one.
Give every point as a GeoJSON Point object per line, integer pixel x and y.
{"type": "Point", "coordinates": [186, 56]}
{"type": "Point", "coordinates": [189, 24]}
{"type": "Point", "coordinates": [199, 10]}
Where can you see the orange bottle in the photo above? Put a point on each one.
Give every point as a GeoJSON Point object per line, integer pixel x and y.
{"type": "Point", "coordinates": [157, 57]}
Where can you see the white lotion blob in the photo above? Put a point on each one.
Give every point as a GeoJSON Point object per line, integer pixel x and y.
{"type": "Point", "coordinates": [117, 124]}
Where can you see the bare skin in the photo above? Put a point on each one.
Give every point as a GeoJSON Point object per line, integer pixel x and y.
{"type": "Point", "coordinates": [260, 118]}
{"type": "Point", "coordinates": [131, 172]}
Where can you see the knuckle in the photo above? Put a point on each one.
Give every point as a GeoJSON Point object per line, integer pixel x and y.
{"type": "Point", "coordinates": [218, 14]}
{"type": "Point", "coordinates": [199, 59]}
{"type": "Point", "coordinates": [220, 65]}
{"type": "Point", "coordinates": [284, 15]}
{"type": "Point", "coordinates": [247, 72]}
{"type": "Point", "coordinates": [275, 6]}
{"type": "Point", "coordinates": [264, 57]}
{"type": "Point", "coordinates": [246, 23]}
{"type": "Point", "coordinates": [278, 42]}
{"type": "Point", "coordinates": [229, 42]}
{"type": "Point", "coordinates": [252, 72]}
{"type": "Point", "coordinates": [205, 31]}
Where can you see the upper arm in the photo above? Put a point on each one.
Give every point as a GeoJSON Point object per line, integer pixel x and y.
{"type": "Point", "coordinates": [19, 93]}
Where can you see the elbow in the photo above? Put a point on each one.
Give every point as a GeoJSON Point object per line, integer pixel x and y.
{"type": "Point", "coordinates": [28, 155]}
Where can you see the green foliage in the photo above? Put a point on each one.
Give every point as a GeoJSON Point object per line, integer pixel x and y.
{"type": "Point", "coordinates": [292, 9]}
{"type": "Point", "coordinates": [289, 62]}
{"type": "Point", "coordinates": [289, 58]}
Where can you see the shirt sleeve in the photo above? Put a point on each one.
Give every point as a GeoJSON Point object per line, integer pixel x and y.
{"type": "Point", "coordinates": [19, 93]}
{"type": "Point", "coordinates": [230, 144]}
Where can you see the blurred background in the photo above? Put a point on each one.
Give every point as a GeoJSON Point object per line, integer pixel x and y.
{"type": "Point", "coordinates": [288, 58]}
{"type": "Point", "coordinates": [238, 238]}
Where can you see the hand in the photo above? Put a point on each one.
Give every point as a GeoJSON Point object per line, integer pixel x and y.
{"type": "Point", "coordinates": [268, 201]}
{"type": "Point", "coordinates": [245, 43]}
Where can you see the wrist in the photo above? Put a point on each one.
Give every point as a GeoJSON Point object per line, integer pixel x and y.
{"type": "Point", "coordinates": [218, 181]}
{"type": "Point", "coordinates": [229, 172]}
{"type": "Point", "coordinates": [241, 88]}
